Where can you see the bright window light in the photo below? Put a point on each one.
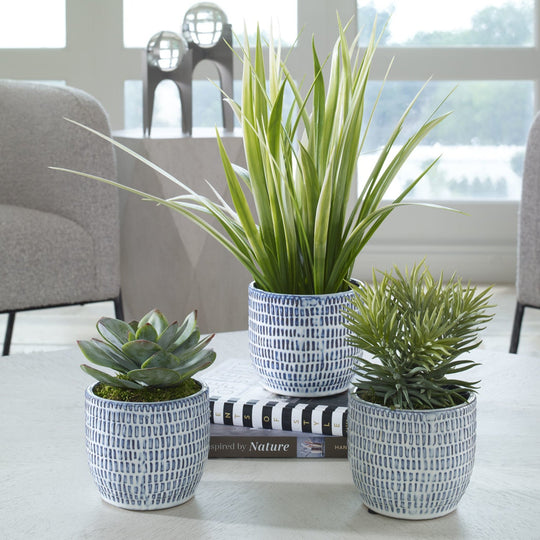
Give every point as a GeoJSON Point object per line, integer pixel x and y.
{"type": "Point", "coordinates": [462, 23]}
{"type": "Point", "coordinates": [478, 159]}
{"type": "Point", "coordinates": [142, 19]}
{"type": "Point", "coordinates": [32, 24]}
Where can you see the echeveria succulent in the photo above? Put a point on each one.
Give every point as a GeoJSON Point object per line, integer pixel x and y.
{"type": "Point", "coordinates": [149, 352]}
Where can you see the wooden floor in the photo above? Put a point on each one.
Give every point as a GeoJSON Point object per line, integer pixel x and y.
{"type": "Point", "coordinates": [51, 329]}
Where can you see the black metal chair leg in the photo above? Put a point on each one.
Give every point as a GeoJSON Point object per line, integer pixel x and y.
{"type": "Point", "coordinates": [516, 329]}
{"type": "Point", "coordinates": [9, 333]}
{"type": "Point", "coordinates": [119, 307]}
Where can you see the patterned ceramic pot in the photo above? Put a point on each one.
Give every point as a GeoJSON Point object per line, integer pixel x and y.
{"type": "Point", "coordinates": [298, 344]}
{"type": "Point", "coordinates": [411, 464]}
{"type": "Point", "coordinates": [147, 456]}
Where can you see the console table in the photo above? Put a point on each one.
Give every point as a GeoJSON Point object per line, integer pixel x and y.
{"type": "Point", "coordinates": [168, 262]}
{"type": "Point", "coordinates": [47, 492]}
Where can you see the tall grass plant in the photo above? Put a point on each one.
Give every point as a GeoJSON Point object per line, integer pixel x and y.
{"type": "Point", "coordinates": [296, 222]}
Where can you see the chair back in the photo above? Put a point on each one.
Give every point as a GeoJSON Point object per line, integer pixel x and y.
{"type": "Point", "coordinates": [528, 266]}
{"type": "Point", "coordinates": [35, 136]}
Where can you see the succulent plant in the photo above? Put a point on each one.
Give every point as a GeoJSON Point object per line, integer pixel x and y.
{"type": "Point", "coordinates": [147, 353]}
{"type": "Point", "coordinates": [415, 328]}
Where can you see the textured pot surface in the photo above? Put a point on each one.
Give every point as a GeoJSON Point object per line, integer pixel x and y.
{"type": "Point", "coordinates": [298, 344]}
{"type": "Point", "coordinates": [146, 456]}
{"type": "Point", "coordinates": [411, 464]}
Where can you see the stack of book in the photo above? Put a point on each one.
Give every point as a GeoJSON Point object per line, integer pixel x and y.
{"type": "Point", "coordinates": [249, 421]}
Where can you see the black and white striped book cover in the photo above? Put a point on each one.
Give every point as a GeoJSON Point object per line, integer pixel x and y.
{"type": "Point", "coordinates": [237, 398]}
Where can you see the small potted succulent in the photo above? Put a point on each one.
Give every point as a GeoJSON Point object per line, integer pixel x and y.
{"type": "Point", "coordinates": [148, 425]}
{"type": "Point", "coordinates": [412, 419]}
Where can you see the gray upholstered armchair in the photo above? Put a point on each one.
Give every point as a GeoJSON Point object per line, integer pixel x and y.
{"type": "Point", "coordinates": [59, 234]}
{"type": "Point", "coordinates": [528, 268]}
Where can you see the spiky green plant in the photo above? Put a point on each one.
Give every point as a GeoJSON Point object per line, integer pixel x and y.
{"type": "Point", "coordinates": [415, 327]}
{"type": "Point", "coordinates": [147, 353]}
{"type": "Point", "coordinates": [290, 223]}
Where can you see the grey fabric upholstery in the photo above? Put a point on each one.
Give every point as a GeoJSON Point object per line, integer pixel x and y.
{"type": "Point", "coordinates": [528, 265]}
{"type": "Point", "coordinates": [528, 270]}
{"type": "Point", "coordinates": [59, 233]}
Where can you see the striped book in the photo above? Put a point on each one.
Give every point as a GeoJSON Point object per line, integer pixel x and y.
{"type": "Point", "coordinates": [238, 399]}
{"type": "Point", "coordinates": [242, 442]}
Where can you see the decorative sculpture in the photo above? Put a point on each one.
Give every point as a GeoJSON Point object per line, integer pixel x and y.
{"type": "Point", "coordinates": [169, 56]}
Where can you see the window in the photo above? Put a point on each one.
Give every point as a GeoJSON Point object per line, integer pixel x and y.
{"type": "Point", "coordinates": [460, 23]}
{"type": "Point", "coordinates": [279, 17]}
{"type": "Point", "coordinates": [478, 159]}
{"type": "Point", "coordinates": [141, 23]}
{"type": "Point", "coordinates": [33, 23]}
{"type": "Point", "coordinates": [482, 143]}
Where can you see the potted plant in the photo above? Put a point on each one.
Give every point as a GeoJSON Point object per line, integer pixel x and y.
{"type": "Point", "coordinates": [296, 222]}
{"type": "Point", "coordinates": [411, 419]}
{"type": "Point", "coordinates": [147, 426]}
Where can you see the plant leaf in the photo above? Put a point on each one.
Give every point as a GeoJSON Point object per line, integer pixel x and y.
{"type": "Point", "coordinates": [102, 354]}
{"type": "Point", "coordinates": [161, 359]}
{"type": "Point", "coordinates": [156, 319]}
{"type": "Point", "coordinates": [168, 336]}
{"type": "Point", "coordinates": [140, 350]}
{"type": "Point", "coordinates": [114, 331]}
{"type": "Point", "coordinates": [197, 362]}
{"type": "Point", "coordinates": [146, 332]}
{"type": "Point", "coordinates": [105, 378]}
{"type": "Point", "coordinates": [159, 377]}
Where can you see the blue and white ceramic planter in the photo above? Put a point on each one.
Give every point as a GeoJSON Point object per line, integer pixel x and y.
{"type": "Point", "coordinates": [147, 456]}
{"type": "Point", "coordinates": [298, 344]}
{"type": "Point", "coordinates": [411, 464]}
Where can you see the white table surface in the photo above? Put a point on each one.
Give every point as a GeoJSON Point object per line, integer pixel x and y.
{"type": "Point", "coordinates": [46, 490]}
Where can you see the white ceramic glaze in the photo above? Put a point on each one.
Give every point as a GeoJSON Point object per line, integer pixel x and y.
{"type": "Point", "coordinates": [411, 464]}
{"type": "Point", "coordinates": [297, 343]}
{"type": "Point", "coordinates": [147, 456]}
